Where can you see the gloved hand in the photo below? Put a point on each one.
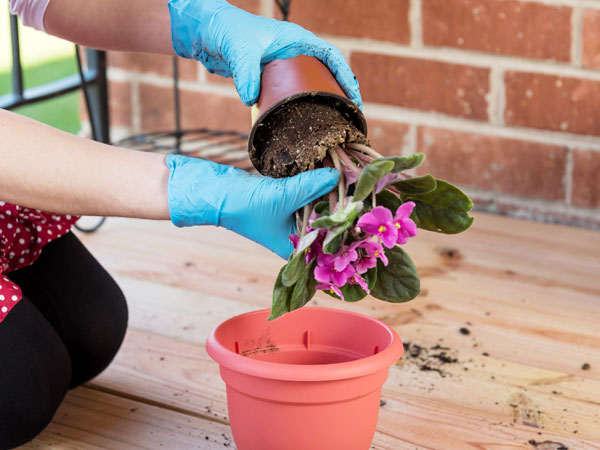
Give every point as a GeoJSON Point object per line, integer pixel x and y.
{"type": "Point", "coordinates": [233, 42]}
{"type": "Point", "coordinates": [257, 207]}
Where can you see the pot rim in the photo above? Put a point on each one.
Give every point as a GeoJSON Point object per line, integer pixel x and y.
{"type": "Point", "coordinates": [352, 110]}
{"type": "Point", "coordinates": [306, 372]}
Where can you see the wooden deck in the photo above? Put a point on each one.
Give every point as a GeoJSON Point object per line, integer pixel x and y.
{"type": "Point", "coordinates": [503, 343]}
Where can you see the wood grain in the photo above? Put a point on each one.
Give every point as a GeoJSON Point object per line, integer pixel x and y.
{"type": "Point", "coordinates": [528, 295]}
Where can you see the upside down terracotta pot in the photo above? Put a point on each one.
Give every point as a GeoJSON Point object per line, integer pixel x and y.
{"type": "Point", "coordinates": [286, 81]}
{"type": "Point", "coordinates": [310, 380]}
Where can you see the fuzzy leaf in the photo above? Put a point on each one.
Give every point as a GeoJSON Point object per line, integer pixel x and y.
{"type": "Point", "coordinates": [397, 282]}
{"type": "Point", "coordinates": [353, 292]}
{"type": "Point", "coordinates": [389, 200]}
{"type": "Point", "coordinates": [292, 270]}
{"type": "Point", "coordinates": [304, 289]}
{"type": "Point", "coordinates": [416, 185]}
{"type": "Point", "coordinates": [375, 171]}
{"type": "Point", "coordinates": [333, 238]}
{"type": "Point", "coordinates": [349, 213]}
{"type": "Point", "coordinates": [281, 298]}
{"type": "Point", "coordinates": [405, 162]}
{"type": "Point", "coordinates": [322, 208]}
{"type": "Point", "coordinates": [444, 210]}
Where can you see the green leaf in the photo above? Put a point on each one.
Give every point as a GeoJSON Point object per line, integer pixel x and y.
{"type": "Point", "coordinates": [322, 208]}
{"type": "Point", "coordinates": [405, 162]}
{"type": "Point", "coordinates": [444, 210]}
{"type": "Point", "coordinates": [305, 287]}
{"type": "Point", "coordinates": [349, 213]}
{"type": "Point", "coordinates": [353, 292]}
{"type": "Point", "coordinates": [416, 185]}
{"type": "Point", "coordinates": [375, 171]}
{"type": "Point", "coordinates": [389, 200]}
{"type": "Point", "coordinates": [398, 281]}
{"type": "Point", "coordinates": [333, 238]}
{"type": "Point", "coordinates": [281, 298]}
{"type": "Point", "coordinates": [292, 270]}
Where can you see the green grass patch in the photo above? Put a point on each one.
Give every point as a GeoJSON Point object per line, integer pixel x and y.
{"type": "Point", "coordinates": [61, 112]}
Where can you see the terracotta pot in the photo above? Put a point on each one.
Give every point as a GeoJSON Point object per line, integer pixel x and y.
{"type": "Point", "coordinates": [284, 81]}
{"type": "Point", "coordinates": [310, 380]}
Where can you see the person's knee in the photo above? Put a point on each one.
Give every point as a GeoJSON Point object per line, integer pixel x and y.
{"type": "Point", "coordinates": [94, 343]}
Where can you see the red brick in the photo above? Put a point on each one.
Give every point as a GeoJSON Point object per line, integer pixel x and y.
{"type": "Point", "coordinates": [120, 103]}
{"type": "Point", "coordinates": [387, 137]}
{"type": "Point", "coordinates": [453, 89]}
{"type": "Point", "coordinates": [552, 103]}
{"type": "Point", "coordinates": [509, 27]}
{"type": "Point", "coordinates": [252, 6]}
{"type": "Point", "coordinates": [493, 163]}
{"type": "Point", "coordinates": [385, 20]}
{"type": "Point", "coordinates": [586, 178]}
{"type": "Point", "coordinates": [156, 64]}
{"type": "Point", "coordinates": [591, 38]}
{"type": "Point", "coordinates": [198, 110]}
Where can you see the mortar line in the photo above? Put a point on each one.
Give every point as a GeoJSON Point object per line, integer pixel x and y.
{"type": "Point", "coordinates": [568, 177]}
{"type": "Point", "coordinates": [593, 4]}
{"type": "Point", "coordinates": [576, 35]}
{"type": "Point", "coordinates": [465, 57]}
{"type": "Point", "coordinates": [136, 108]}
{"type": "Point", "coordinates": [415, 20]}
{"type": "Point", "coordinates": [437, 120]}
{"type": "Point", "coordinates": [495, 104]}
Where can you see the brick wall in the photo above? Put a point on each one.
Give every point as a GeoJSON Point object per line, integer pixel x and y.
{"type": "Point", "coordinates": [502, 95]}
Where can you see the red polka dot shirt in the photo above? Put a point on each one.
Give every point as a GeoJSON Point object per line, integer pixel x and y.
{"type": "Point", "coordinates": [23, 233]}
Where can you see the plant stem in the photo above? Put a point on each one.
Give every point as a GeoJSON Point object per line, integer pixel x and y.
{"type": "Point", "coordinates": [305, 215]}
{"type": "Point", "coordinates": [374, 195]}
{"type": "Point", "coordinates": [298, 223]}
{"type": "Point", "coordinates": [332, 201]}
{"type": "Point", "coordinates": [345, 159]}
{"type": "Point", "coordinates": [366, 149]}
{"type": "Point", "coordinates": [361, 157]}
{"type": "Point", "coordinates": [338, 166]}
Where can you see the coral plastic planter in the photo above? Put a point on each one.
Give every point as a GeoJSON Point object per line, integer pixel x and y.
{"type": "Point", "coordinates": [310, 380]}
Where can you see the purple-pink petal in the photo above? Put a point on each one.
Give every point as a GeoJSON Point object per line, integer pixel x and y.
{"type": "Point", "coordinates": [294, 239]}
{"type": "Point", "coordinates": [404, 210]}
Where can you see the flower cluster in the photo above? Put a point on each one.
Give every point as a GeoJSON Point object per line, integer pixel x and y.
{"type": "Point", "coordinates": [348, 243]}
{"type": "Point", "coordinates": [378, 230]}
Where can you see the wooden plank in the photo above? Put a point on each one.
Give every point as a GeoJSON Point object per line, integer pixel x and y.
{"type": "Point", "coordinates": [538, 300]}
{"type": "Point", "coordinates": [89, 419]}
{"type": "Point", "coordinates": [521, 398]}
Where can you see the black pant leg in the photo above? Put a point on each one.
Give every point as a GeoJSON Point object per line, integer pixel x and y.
{"type": "Point", "coordinates": [81, 301]}
{"type": "Point", "coordinates": [35, 373]}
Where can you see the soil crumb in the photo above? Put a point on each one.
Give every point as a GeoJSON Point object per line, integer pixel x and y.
{"type": "Point", "coordinates": [465, 331]}
{"type": "Point", "coordinates": [429, 359]}
{"type": "Point", "coordinates": [585, 366]}
{"type": "Point", "coordinates": [548, 445]}
{"type": "Point", "coordinates": [297, 137]}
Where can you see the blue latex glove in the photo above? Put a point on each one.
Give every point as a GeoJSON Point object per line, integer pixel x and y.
{"type": "Point", "coordinates": [234, 43]}
{"type": "Point", "coordinates": [257, 207]}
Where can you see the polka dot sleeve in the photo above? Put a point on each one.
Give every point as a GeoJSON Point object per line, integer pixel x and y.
{"type": "Point", "coordinates": [23, 233]}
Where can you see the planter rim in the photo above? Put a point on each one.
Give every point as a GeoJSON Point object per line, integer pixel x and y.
{"type": "Point", "coordinates": [306, 372]}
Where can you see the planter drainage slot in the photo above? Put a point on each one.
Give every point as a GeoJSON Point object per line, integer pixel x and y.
{"type": "Point", "coordinates": [376, 350]}
{"type": "Point", "coordinates": [237, 347]}
{"type": "Point", "coordinates": [306, 339]}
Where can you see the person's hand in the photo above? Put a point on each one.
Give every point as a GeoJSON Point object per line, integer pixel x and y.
{"type": "Point", "coordinates": [234, 43]}
{"type": "Point", "coordinates": [257, 207]}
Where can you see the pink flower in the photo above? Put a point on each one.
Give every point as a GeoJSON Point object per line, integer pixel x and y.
{"type": "Point", "coordinates": [331, 288]}
{"type": "Point", "coordinates": [403, 223]}
{"type": "Point", "coordinates": [294, 239]}
{"type": "Point", "coordinates": [371, 251]}
{"type": "Point", "coordinates": [345, 255]}
{"type": "Point", "coordinates": [357, 279]}
{"type": "Point", "coordinates": [326, 272]}
{"type": "Point", "coordinates": [379, 222]}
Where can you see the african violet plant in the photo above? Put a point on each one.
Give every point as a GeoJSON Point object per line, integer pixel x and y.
{"type": "Point", "coordinates": [348, 243]}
